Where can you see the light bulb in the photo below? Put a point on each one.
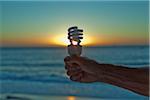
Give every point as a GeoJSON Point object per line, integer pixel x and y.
{"type": "Point", "coordinates": [75, 36]}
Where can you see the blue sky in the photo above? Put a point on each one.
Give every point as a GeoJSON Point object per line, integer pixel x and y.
{"type": "Point", "coordinates": [36, 19]}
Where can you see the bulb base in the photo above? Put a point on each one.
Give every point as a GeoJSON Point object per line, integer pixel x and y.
{"type": "Point", "coordinates": [74, 50]}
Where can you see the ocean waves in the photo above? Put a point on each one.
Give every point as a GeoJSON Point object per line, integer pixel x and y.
{"type": "Point", "coordinates": [41, 70]}
{"type": "Point", "coordinates": [46, 64]}
{"type": "Point", "coordinates": [23, 64]}
{"type": "Point", "coordinates": [52, 78]}
{"type": "Point", "coordinates": [33, 73]}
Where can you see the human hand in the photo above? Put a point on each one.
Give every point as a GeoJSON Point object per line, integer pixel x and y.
{"type": "Point", "coordinates": [82, 69]}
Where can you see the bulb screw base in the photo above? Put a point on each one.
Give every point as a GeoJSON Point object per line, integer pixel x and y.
{"type": "Point", "coordinates": [74, 50]}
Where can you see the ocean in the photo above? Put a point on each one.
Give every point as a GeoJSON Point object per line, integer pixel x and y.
{"type": "Point", "coordinates": [38, 73]}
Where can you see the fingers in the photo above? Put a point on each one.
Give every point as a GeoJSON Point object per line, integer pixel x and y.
{"type": "Point", "coordinates": [76, 77]}
{"type": "Point", "coordinates": [72, 73]}
{"type": "Point", "coordinates": [75, 73]}
{"type": "Point", "coordinates": [72, 66]}
{"type": "Point", "coordinates": [73, 59]}
{"type": "Point", "coordinates": [67, 58]}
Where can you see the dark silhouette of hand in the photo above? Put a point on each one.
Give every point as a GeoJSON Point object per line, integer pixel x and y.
{"type": "Point", "coordinates": [81, 69]}
{"type": "Point", "coordinates": [85, 70]}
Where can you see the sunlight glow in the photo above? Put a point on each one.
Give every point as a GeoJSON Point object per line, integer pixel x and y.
{"type": "Point", "coordinates": [61, 39]}
{"type": "Point", "coordinates": [71, 98]}
{"type": "Point", "coordinates": [74, 42]}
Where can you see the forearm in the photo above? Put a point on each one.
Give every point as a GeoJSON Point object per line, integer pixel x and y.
{"type": "Point", "coordinates": [134, 79]}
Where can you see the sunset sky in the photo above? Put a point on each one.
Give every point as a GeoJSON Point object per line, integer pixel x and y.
{"type": "Point", "coordinates": [45, 23]}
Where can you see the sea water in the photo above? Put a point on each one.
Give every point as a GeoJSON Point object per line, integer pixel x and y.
{"type": "Point", "coordinates": [40, 71]}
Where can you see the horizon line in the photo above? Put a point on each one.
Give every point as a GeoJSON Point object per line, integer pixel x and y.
{"type": "Point", "coordinates": [56, 46]}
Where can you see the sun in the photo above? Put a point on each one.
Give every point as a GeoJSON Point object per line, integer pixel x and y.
{"type": "Point", "coordinates": [62, 40]}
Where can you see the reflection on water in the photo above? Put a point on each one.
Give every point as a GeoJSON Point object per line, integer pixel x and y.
{"type": "Point", "coordinates": [71, 98]}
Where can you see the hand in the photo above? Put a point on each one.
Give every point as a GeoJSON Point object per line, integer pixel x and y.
{"type": "Point", "coordinates": [82, 69]}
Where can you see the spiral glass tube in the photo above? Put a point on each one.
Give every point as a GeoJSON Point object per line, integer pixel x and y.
{"type": "Point", "coordinates": [75, 35]}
